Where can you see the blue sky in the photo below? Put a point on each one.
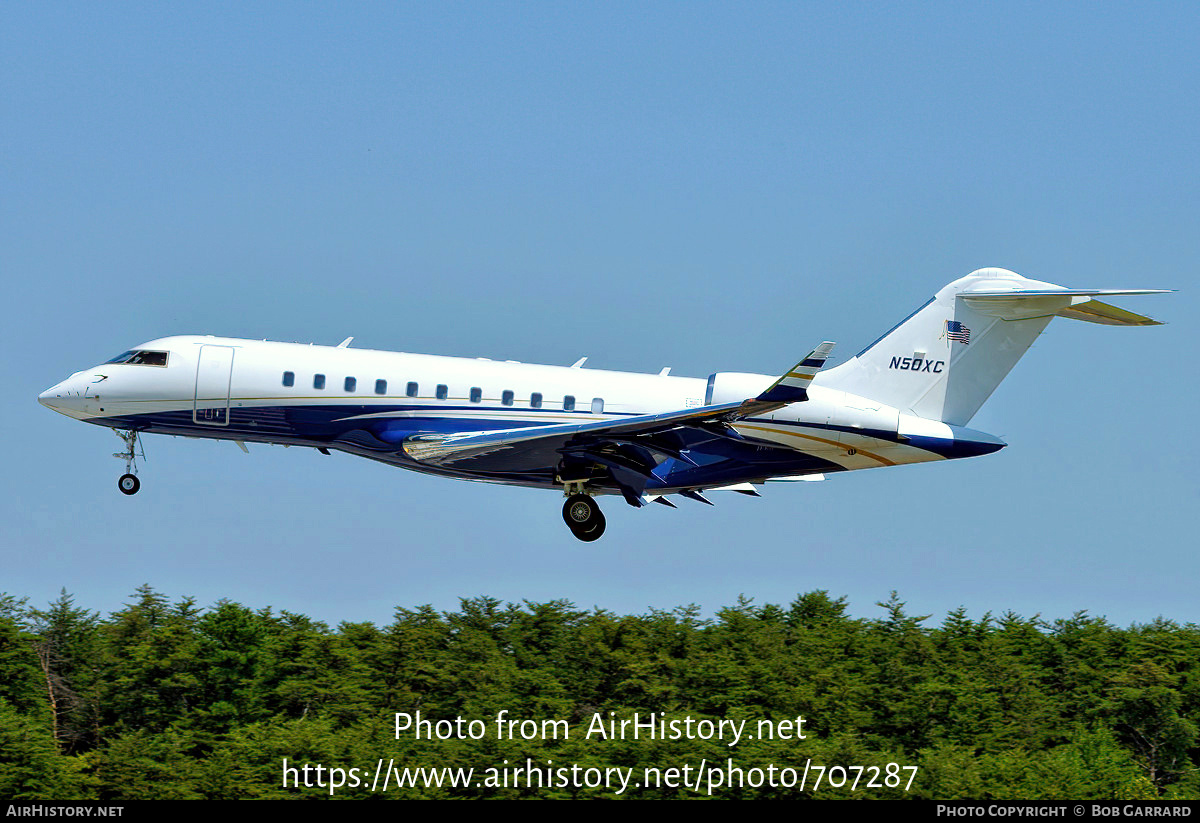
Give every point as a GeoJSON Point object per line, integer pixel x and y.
{"type": "Point", "coordinates": [702, 186]}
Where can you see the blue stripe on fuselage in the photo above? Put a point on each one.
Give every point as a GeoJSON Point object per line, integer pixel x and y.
{"type": "Point", "coordinates": [327, 423]}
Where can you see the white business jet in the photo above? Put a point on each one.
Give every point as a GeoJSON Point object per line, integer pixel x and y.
{"type": "Point", "coordinates": [906, 398]}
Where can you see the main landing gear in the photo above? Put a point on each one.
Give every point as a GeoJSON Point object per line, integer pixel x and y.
{"type": "Point", "coordinates": [128, 483]}
{"type": "Point", "coordinates": [583, 517]}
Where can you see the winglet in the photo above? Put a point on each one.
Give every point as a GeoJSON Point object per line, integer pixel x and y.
{"type": "Point", "coordinates": [793, 386]}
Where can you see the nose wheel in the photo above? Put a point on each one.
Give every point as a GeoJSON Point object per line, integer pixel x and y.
{"type": "Point", "coordinates": [128, 482]}
{"type": "Point", "coordinates": [583, 517]}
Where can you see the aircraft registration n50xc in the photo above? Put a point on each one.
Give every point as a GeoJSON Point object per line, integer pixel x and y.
{"type": "Point", "coordinates": [906, 398]}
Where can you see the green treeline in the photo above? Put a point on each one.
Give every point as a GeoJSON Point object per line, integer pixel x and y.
{"type": "Point", "coordinates": [170, 700]}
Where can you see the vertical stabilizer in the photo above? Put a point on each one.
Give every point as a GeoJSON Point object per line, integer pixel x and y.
{"type": "Point", "coordinates": [944, 360]}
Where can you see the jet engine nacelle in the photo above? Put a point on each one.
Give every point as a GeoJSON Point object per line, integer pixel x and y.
{"type": "Point", "coordinates": [734, 387]}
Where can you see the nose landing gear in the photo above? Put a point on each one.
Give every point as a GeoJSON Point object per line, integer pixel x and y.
{"type": "Point", "coordinates": [128, 482]}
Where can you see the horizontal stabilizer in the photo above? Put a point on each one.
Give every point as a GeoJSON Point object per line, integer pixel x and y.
{"type": "Point", "coordinates": [1077, 304]}
{"type": "Point", "coordinates": [1093, 311]}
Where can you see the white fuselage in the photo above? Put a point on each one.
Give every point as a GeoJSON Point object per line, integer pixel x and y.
{"type": "Point", "coordinates": [288, 393]}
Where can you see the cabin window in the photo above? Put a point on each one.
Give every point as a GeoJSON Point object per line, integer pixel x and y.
{"type": "Point", "coordinates": [597, 405]}
{"type": "Point", "coordinates": [381, 387]}
{"type": "Point", "coordinates": [442, 391]}
{"type": "Point", "coordinates": [507, 398]}
{"type": "Point", "coordinates": [476, 394]}
{"type": "Point", "coordinates": [351, 384]}
{"type": "Point", "coordinates": [411, 390]}
{"type": "Point", "coordinates": [289, 378]}
{"type": "Point", "coordinates": [140, 358]}
{"type": "Point", "coordinates": [318, 381]}
{"type": "Point", "coordinates": [535, 400]}
{"type": "Point", "coordinates": [568, 403]}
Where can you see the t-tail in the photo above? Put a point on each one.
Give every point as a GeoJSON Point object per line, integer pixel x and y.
{"type": "Point", "coordinates": [946, 358]}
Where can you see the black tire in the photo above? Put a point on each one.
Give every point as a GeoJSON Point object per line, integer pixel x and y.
{"type": "Point", "coordinates": [583, 517]}
{"type": "Point", "coordinates": [593, 530]}
{"type": "Point", "coordinates": [129, 484]}
{"type": "Point", "coordinates": [579, 511]}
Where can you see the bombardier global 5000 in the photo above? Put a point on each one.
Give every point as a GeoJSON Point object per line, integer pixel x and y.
{"type": "Point", "coordinates": [906, 398]}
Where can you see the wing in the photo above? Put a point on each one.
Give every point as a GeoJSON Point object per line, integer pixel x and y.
{"type": "Point", "coordinates": [628, 450]}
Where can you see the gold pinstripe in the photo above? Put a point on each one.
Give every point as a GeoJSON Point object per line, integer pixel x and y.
{"type": "Point", "coordinates": [871, 455]}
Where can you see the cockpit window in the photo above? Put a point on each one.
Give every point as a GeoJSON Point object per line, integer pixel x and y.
{"type": "Point", "coordinates": [141, 358]}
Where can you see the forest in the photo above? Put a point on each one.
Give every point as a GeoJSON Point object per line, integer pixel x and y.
{"type": "Point", "coordinates": [166, 699]}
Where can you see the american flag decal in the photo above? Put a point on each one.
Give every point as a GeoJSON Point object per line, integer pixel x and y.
{"type": "Point", "coordinates": [957, 331]}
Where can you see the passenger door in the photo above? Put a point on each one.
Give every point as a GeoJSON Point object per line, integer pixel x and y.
{"type": "Point", "coordinates": [214, 372]}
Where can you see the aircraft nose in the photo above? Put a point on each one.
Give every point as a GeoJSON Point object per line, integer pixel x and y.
{"type": "Point", "coordinates": [48, 397]}
{"type": "Point", "coordinates": [62, 399]}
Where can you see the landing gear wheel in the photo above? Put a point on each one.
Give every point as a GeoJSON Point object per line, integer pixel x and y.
{"type": "Point", "coordinates": [128, 483]}
{"type": "Point", "coordinates": [583, 517]}
{"type": "Point", "coordinates": [579, 509]}
{"type": "Point", "coordinates": [593, 530]}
